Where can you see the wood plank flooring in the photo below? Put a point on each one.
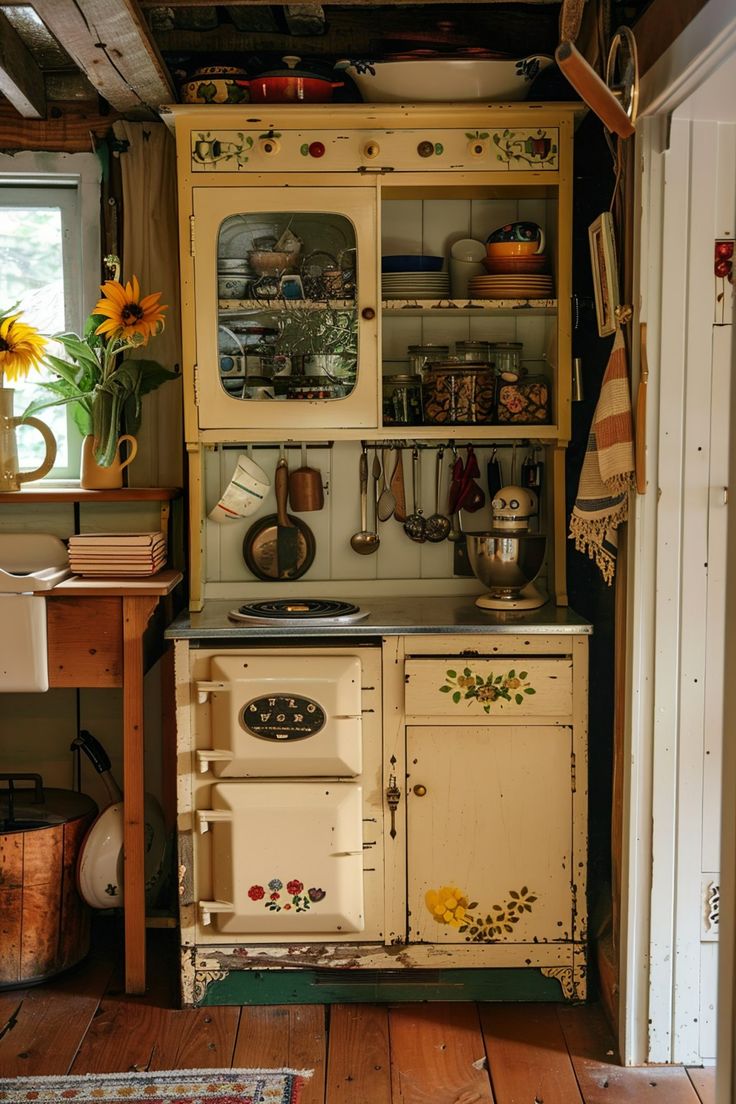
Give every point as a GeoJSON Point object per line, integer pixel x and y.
{"type": "Point", "coordinates": [443, 1053]}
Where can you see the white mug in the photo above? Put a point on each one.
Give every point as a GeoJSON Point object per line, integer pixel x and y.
{"type": "Point", "coordinates": [244, 493]}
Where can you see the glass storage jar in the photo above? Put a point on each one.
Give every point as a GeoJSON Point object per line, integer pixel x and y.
{"type": "Point", "coordinates": [402, 400]}
{"type": "Point", "coordinates": [506, 359]}
{"type": "Point", "coordinates": [476, 351]}
{"type": "Point", "coordinates": [458, 393]}
{"type": "Point", "coordinates": [422, 355]}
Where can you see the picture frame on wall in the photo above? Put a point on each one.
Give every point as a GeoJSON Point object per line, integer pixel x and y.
{"type": "Point", "coordinates": [605, 272]}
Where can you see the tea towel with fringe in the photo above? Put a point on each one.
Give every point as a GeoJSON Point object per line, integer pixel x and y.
{"type": "Point", "coordinates": [607, 475]}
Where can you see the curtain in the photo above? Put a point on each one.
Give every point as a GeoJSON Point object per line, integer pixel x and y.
{"type": "Point", "coordinates": [150, 251]}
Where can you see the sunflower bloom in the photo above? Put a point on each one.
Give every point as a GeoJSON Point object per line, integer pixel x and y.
{"type": "Point", "coordinates": [128, 315]}
{"type": "Point", "coordinates": [21, 348]}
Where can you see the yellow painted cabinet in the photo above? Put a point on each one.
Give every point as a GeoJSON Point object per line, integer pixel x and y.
{"type": "Point", "coordinates": [489, 834]}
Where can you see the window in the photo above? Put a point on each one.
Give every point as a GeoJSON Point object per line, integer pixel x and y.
{"type": "Point", "coordinates": [49, 247]}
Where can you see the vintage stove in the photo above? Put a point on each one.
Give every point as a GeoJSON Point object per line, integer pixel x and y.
{"type": "Point", "coordinates": [286, 790]}
{"type": "Point", "coordinates": [298, 611]}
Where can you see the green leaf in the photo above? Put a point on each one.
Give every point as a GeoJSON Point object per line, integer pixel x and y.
{"type": "Point", "coordinates": [522, 674]}
{"type": "Point", "coordinates": [456, 696]}
{"type": "Point", "coordinates": [478, 680]}
{"type": "Point", "coordinates": [451, 674]}
{"type": "Point", "coordinates": [445, 689]}
{"type": "Point", "coordinates": [514, 895]}
{"type": "Point", "coordinates": [519, 699]}
{"type": "Point", "coordinates": [473, 905]}
{"type": "Point", "coordinates": [529, 690]}
{"type": "Point", "coordinates": [498, 678]}
{"type": "Point", "coordinates": [524, 891]}
{"type": "Point", "coordinates": [508, 928]}
{"type": "Point", "coordinates": [511, 674]}
{"type": "Point", "coordinates": [467, 672]}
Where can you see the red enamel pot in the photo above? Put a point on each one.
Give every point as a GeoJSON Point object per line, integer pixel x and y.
{"type": "Point", "coordinates": [290, 85]}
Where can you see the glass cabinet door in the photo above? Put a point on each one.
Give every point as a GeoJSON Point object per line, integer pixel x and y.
{"type": "Point", "coordinates": [285, 291]}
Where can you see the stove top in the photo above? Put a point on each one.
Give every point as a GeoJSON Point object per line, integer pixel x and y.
{"type": "Point", "coordinates": [298, 611]}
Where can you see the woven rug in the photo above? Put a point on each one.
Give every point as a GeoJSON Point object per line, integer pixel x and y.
{"type": "Point", "coordinates": [219, 1086]}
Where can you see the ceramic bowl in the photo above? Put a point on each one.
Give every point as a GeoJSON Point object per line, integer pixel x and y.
{"type": "Point", "coordinates": [437, 80]}
{"type": "Point", "coordinates": [502, 266]}
{"type": "Point", "coordinates": [468, 249]}
{"type": "Point", "coordinates": [215, 84]}
{"type": "Point", "coordinates": [232, 287]}
{"type": "Point", "coordinates": [512, 249]}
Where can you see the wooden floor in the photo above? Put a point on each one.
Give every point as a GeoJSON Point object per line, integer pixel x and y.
{"type": "Point", "coordinates": [449, 1053]}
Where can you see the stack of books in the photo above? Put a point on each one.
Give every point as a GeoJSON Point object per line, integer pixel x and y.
{"type": "Point", "coordinates": [117, 553]}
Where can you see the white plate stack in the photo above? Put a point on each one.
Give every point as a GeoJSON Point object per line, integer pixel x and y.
{"type": "Point", "coordinates": [117, 554]}
{"type": "Point", "coordinates": [415, 285]}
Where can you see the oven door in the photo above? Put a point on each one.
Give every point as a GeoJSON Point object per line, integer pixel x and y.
{"type": "Point", "coordinates": [282, 715]}
{"type": "Point", "coordinates": [283, 857]}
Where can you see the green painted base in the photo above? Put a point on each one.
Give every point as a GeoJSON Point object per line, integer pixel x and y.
{"type": "Point", "coordinates": [347, 986]}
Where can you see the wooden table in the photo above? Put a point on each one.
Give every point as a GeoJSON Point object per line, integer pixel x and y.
{"type": "Point", "coordinates": [96, 631]}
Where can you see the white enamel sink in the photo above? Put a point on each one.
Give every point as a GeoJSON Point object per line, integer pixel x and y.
{"type": "Point", "coordinates": [31, 562]}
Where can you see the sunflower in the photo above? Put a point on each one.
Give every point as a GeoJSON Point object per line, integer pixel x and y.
{"type": "Point", "coordinates": [127, 315]}
{"type": "Point", "coordinates": [21, 348]}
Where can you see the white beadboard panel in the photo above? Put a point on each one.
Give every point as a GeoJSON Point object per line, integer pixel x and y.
{"type": "Point", "coordinates": [672, 272]}
{"type": "Point", "coordinates": [715, 616]}
{"type": "Point", "coordinates": [43, 518]}
{"type": "Point", "coordinates": [708, 1003]}
{"type": "Point", "coordinates": [399, 332]}
{"type": "Point", "coordinates": [401, 225]}
{"type": "Point", "coordinates": [442, 218]}
{"type": "Point", "coordinates": [695, 537]}
{"type": "Point", "coordinates": [120, 517]}
{"type": "Point", "coordinates": [488, 214]}
{"type": "Point", "coordinates": [725, 215]}
{"type": "Point", "coordinates": [397, 557]}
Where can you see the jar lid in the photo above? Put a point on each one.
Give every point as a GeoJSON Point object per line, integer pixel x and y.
{"type": "Point", "coordinates": [459, 367]}
{"type": "Point", "coordinates": [507, 345]}
{"type": "Point", "coordinates": [408, 378]}
{"type": "Point", "coordinates": [429, 349]}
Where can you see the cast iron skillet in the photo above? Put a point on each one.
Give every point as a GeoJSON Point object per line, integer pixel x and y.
{"type": "Point", "coordinates": [259, 549]}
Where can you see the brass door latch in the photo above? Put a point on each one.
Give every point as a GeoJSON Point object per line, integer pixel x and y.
{"type": "Point", "coordinates": [393, 797]}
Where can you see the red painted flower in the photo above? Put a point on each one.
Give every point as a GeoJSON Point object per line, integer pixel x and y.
{"type": "Point", "coordinates": [294, 886]}
{"type": "Point", "coordinates": [256, 892]}
{"type": "Point", "coordinates": [275, 896]}
{"type": "Point", "coordinates": [286, 908]}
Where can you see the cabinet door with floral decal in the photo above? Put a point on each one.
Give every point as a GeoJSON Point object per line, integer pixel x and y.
{"type": "Point", "coordinates": [489, 834]}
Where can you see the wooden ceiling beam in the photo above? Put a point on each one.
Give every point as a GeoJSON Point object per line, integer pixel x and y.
{"type": "Point", "coordinates": [21, 80]}
{"type": "Point", "coordinates": [110, 42]}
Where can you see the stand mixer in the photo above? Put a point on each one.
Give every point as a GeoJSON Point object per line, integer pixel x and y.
{"type": "Point", "coordinates": [507, 558]}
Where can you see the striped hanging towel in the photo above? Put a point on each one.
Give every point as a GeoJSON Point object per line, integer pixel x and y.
{"type": "Point", "coordinates": [607, 475]}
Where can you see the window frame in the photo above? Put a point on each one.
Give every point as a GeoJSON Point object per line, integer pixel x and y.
{"type": "Point", "coordinates": [71, 182]}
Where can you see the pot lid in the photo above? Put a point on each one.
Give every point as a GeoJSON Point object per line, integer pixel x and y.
{"type": "Point", "coordinates": [54, 807]}
{"type": "Point", "coordinates": [291, 70]}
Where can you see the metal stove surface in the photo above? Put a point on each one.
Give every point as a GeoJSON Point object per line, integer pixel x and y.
{"type": "Point", "coordinates": [298, 611]}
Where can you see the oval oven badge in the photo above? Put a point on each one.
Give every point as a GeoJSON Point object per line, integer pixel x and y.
{"type": "Point", "coordinates": [282, 717]}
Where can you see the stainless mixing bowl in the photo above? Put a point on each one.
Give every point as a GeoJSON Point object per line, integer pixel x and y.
{"type": "Point", "coordinates": [504, 562]}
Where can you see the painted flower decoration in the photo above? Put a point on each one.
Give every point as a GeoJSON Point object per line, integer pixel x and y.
{"type": "Point", "coordinates": [447, 905]}
{"type": "Point", "coordinates": [275, 884]}
{"type": "Point", "coordinates": [256, 892]}
{"type": "Point", "coordinates": [295, 886]}
{"type": "Point", "coordinates": [128, 315]}
{"type": "Point", "coordinates": [315, 894]}
{"type": "Point", "coordinates": [21, 348]}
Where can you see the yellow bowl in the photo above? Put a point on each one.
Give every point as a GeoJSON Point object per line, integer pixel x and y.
{"type": "Point", "coordinates": [511, 249]}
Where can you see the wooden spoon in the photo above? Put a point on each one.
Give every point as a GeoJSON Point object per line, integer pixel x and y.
{"type": "Point", "coordinates": [397, 487]}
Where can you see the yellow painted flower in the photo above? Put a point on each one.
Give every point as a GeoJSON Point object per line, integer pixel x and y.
{"type": "Point", "coordinates": [21, 348]}
{"type": "Point", "coordinates": [447, 905]}
{"type": "Point", "coordinates": [127, 314]}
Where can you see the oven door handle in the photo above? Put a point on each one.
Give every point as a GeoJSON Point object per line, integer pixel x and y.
{"type": "Point", "coordinates": [344, 854]}
{"type": "Point", "coordinates": [214, 755]}
{"type": "Point", "coordinates": [205, 816]}
{"type": "Point", "coordinates": [206, 908]}
{"type": "Point", "coordinates": [206, 687]}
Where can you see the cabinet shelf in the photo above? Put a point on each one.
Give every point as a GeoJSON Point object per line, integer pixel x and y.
{"type": "Point", "coordinates": [470, 306]}
{"type": "Point", "coordinates": [252, 306]}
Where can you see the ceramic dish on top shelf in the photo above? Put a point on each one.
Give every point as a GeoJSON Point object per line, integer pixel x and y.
{"type": "Point", "coordinates": [448, 80]}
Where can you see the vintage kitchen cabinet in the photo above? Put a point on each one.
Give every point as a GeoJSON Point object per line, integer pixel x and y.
{"type": "Point", "coordinates": [289, 331]}
{"type": "Point", "coordinates": [408, 804]}
{"type": "Point", "coordinates": [285, 213]}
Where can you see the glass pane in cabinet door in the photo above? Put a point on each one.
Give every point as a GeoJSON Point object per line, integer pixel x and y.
{"type": "Point", "coordinates": [287, 319]}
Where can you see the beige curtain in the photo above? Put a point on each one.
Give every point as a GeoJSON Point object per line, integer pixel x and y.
{"type": "Point", "coordinates": [151, 252]}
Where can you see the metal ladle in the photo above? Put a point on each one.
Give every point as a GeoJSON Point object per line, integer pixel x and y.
{"type": "Point", "coordinates": [365, 541]}
{"type": "Point", "coordinates": [415, 525]}
{"type": "Point", "coordinates": [438, 525]}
